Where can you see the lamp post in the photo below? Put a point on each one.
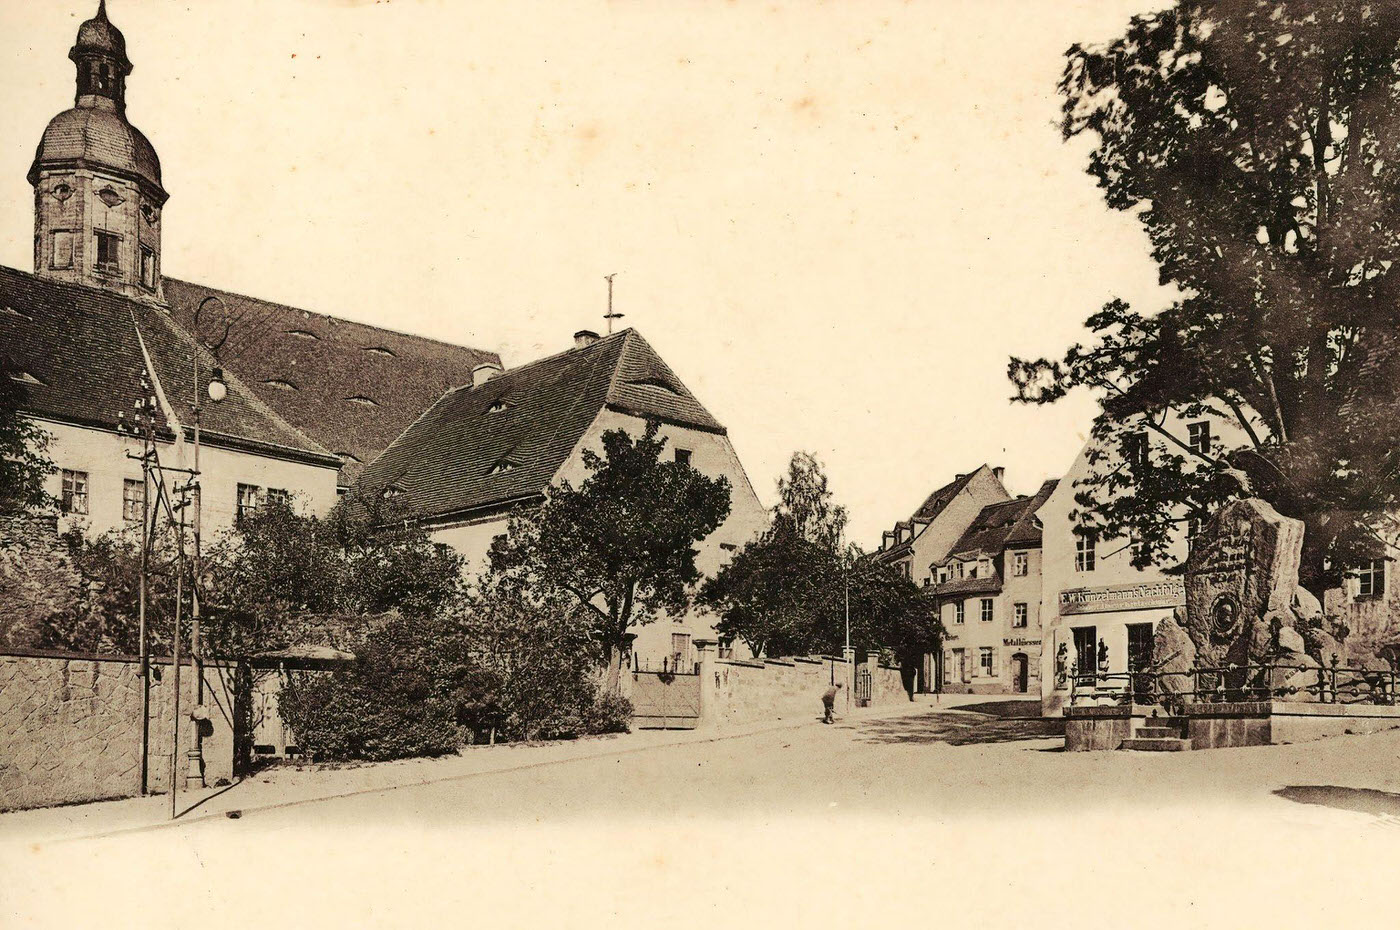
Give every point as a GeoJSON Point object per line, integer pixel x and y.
{"type": "Point", "coordinates": [216, 390]}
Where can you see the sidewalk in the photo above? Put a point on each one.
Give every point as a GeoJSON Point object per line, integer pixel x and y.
{"type": "Point", "coordinates": [287, 785]}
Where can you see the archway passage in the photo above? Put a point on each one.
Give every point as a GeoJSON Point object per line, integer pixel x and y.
{"type": "Point", "coordinates": [1020, 672]}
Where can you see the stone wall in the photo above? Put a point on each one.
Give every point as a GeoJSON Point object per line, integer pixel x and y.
{"type": "Point", "coordinates": [735, 692]}
{"type": "Point", "coordinates": [70, 727]}
{"type": "Point", "coordinates": [37, 578]}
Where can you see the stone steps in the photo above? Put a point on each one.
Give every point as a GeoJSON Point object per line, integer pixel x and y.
{"type": "Point", "coordinates": [1157, 744]}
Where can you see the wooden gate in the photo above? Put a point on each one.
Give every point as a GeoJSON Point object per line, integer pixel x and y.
{"type": "Point", "coordinates": [665, 700]}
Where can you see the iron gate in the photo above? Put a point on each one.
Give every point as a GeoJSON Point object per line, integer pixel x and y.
{"type": "Point", "coordinates": [665, 700]}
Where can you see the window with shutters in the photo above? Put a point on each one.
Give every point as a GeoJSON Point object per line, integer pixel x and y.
{"type": "Point", "coordinates": [984, 661]}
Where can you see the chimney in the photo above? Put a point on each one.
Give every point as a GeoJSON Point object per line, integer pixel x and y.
{"type": "Point", "coordinates": [584, 338]}
{"type": "Point", "coordinates": [999, 473]}
{"type": "Point", "coordinates": [484, 372]}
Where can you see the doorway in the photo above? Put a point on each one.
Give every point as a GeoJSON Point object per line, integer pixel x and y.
{"type": "Point", "coordinates": [1021, 672]}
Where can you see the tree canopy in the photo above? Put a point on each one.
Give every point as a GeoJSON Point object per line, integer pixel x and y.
{"type": "Point", "coordinates": [24, 463]}
{"type": "Point", "coordinates": [621, 545]}
{"type": "Point", "coordinates": [1259, 146]}
{"type": "Point", "coordinates": [787, 592]}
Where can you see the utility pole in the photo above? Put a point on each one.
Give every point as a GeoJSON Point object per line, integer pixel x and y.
{"type": "Point", "coordinates": [611, 314]}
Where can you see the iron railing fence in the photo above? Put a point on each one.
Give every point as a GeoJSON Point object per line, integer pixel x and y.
{"type": "Point", "coordinates": [1334, 684]}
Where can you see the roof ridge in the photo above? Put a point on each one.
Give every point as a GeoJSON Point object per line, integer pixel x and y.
{"type": "Point", "coordinates": [331, 316]}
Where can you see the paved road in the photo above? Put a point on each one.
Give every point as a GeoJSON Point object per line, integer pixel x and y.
{"type": "Point", "coordinates": [962, 814]}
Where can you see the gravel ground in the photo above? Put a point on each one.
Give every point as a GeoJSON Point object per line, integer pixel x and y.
{"type": "Point", "coordinates": [972, 815]}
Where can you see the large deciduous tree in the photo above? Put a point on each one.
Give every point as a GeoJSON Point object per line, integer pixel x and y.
{"type": "Point", "coordinates": [621, 545]}
{"type": "Point", "coordinates": [1259, 145]}
{"type": "Point", "coordinates": [788, 591]}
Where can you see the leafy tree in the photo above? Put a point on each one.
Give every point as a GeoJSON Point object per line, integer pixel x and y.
{"type": "Point", "coordinates": [620, 546]}
{"type": "Point", "coordinates": [23, 444]}
{"type": "Point", "coordinates": [787, 592]}
{"type": "Point", "coordinates": [805, 500]}
{"type": "Point", "coordinates": [1259, 146]}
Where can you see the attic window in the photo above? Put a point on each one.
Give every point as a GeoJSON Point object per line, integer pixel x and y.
{"type": "Point", "coordinates": [656, 383]}
{"type": "Point", "coordinates": [362, 401]}
{"type": "Point", "coordinates": [280, 384]}
{"type": "Point", "coordinates": [348, 458]}
{"type": "Point", "coordinates": [501, 405]}
{"type": "Point", "coordinates": [501, 467]}
{"type": "Point", "coordinates": [380, 350]}
{"type": "Point", "coordinates": [302, 334]}
{"type": "Point", "coordinates": [13, 312]}
{"type": "Point", "coordinates": [24, 377]}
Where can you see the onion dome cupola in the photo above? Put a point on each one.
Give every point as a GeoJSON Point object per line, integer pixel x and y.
{"type": "Point", "coordinates": [98, 195]}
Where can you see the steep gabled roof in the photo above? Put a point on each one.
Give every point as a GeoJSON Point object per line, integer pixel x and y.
{"type": "Point", "coordinates": [350, 386]}
{"type": "Point", "coordinates": [934, 504]}
{"type": "Point", "coordinates": [503, 441]}
{"type": "Point", "coordinates": [81, 360]}
{"type": "Point", "coordinates": [1005, 524]}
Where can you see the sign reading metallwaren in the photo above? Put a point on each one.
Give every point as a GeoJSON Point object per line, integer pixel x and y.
{"type": "Point", "coordinates": [1169, 593]}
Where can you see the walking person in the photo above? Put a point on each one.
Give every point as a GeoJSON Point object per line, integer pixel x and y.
{"type": "Point", "coordinates": [829, 701]}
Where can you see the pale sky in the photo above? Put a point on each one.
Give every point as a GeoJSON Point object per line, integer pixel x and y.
{"type": "Point", "coordinates": [834, 220]}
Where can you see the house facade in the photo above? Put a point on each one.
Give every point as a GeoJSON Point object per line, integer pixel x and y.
{"type": "Point", "coordinates": [500, 443]}
{"type": "Point", "coordinates": [987, 593]}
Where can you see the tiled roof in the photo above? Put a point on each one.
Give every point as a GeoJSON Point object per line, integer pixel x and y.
{"type": "Point", "coordinates": [940, 499]}
{"type": "Point", "coordinates": [351, 387]}
{"type": "Point", "coordinates": [92, 137]}
{"type": "Point", "coordinates": [1004, 524]}
{"type": "Point", "coordinates": [894, 553]}
{"type": "Point", "coordinates": [505, 440]}
{"type": "Point", "coordinates": [991, 584]}
{"type": "Point", "coordinates": [78, 348]}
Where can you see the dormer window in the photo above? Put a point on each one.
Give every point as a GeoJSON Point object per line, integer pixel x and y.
{"type": "Point", "coordinates": [501, 467]}
{"type": "Point", "coordinates": [302, 334]}
{"type": "Point", "coordinates": [280, 384]}
{"type": "Point", "coordinates": [362, 401]}
{"type": "Point", "coordinates": [24, 377]}
{"type": "Point", "coordinates": [500, 405]}
{"type": "Point", "coordinates": [380, 350]}
{"type": "Point", "coordinates": [348, 458]}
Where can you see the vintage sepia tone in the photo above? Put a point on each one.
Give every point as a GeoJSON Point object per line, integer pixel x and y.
{"type": "Point", "coordinates": [761, 464]}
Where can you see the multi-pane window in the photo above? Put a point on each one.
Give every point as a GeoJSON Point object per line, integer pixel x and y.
{"type": "Point", "coordinates": [959, 612]}
{"type": "Point", "coordinates": [1198, 437]}
{"type": "Point", "coordinates": [279, 496]}
{"type": "Point", "coordinates": [1019, 615]}
{"type": "Point", "coordinates": [108, 252]}
{"type": "Point", "coordinates": [75, 491]}
{"type": "Point", "coordinates": [1084, 553]}
{"type": "Point", "coordinates": [984, 661]}
{"type": "Point", "coordinates": [62, 249]}
{"type": "Point", "coordinates": [250, 498]}
{"type": "Point", "coordinates": [987, 610]}
{"type": "Point", "coordinates": [1371, 579]}
{"type": "Point", "coordinates": [133, 500]}
{"type": "Point", "coordinates": [1021, 564]}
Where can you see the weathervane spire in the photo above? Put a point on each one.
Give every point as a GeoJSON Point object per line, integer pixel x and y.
{"type": "Point", "coordinates": [611, 314]}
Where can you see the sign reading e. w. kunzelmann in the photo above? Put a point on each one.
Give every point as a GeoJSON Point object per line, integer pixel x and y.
{"type": "Point", "coordinates": [1169, 593]}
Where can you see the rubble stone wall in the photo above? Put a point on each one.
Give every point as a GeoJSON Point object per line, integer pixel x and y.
{"type": "Point", "coordinates": [70, 727]}
{"type": "Point", "coordinates": [37, 577]}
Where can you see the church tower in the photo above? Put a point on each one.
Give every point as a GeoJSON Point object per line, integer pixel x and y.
{"type": "Point", "coordinates": [96, 178]}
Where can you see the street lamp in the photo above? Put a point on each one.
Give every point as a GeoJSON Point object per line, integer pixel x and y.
{"type": "Point", "coordinates": [216, 390]}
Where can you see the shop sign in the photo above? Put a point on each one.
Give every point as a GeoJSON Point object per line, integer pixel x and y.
{"type": "Point", "coordinates": [1168, 593]}
{"type": "Point", "coordinates": [1019, 641]}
